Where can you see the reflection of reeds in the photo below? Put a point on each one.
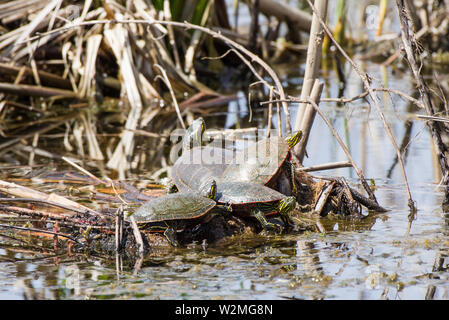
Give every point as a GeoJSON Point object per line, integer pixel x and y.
{"type": "Point", "coordinates": [84, 52]}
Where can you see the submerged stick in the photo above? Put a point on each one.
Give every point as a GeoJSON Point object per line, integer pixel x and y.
{"type": "Point", "coordinates": [137, 236]}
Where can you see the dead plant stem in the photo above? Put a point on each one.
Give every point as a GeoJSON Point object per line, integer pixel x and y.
{"type": "Point", "coordinates": [366, 81]}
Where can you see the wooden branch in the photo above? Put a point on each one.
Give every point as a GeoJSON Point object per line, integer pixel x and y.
{"type": "Point", "coordinates": [367, 84]}
{"type": "Point", "coordinates": [37, 91]}
{"type": "Point", "coordinates": [326, 166]}
{"type": "Point", "coordinates": [283, 12]}
{"type": "Point", "coordinates": [46, 77]}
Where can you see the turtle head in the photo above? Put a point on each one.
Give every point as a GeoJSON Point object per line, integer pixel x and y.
{"type": "Point", "coordinates": [194, 134]}
{"type": "Point", "coordinates": [209, 189]}
{"type": "Point", "coordinates": [294, 139]}
{"type": "Point", "coordinates": [287, 204]}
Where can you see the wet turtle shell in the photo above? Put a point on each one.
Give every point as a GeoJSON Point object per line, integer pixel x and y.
{"type": "Point", "coordinates": [197, 166]}
{"type": "Point", "coordinates": [243, 196]}
{"type": "Point", "coordinates": [174, 207]}
{"type": "Point", "coordinates": [258, 163]}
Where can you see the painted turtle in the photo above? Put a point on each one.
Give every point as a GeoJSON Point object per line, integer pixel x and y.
{"type": "Point", "coordinates": [198, 164]}
{"type": "Point", "coordinates": [258, 201]}
{"type": "Point", "coordinates": [173, 212]}
{"type": "Point", "coordinates": [192, 170]}
{"type": "Point", "coordinates": [262, 162]}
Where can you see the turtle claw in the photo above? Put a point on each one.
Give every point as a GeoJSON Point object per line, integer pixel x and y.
{"type": "Point", "coordinates": [268, 226]}
{"type": "Point", "coordinates": [274, 228]}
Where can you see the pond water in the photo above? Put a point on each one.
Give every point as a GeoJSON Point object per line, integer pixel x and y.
{"type": "Point", "coordinates": [382, 256]}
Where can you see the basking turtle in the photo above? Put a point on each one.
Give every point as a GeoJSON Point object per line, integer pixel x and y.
{"type": "Point", "coordinates": [258, 201]}
{"type": "Point", "coordinates": [173, 212]}
{"type": "Point", "coordinates": [262, 162]}
{"type": "Point", "coordinates": [191, 171]}
{"type": "Point", "coordinates": [198, 164]}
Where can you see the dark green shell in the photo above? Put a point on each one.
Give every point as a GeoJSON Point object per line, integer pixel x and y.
{"type": "Point", "coordinates": [199, 165]}
{"type": "Point", "coordinates": [259, 162]}
{"type": "Point", "coordinates": [176, 206]}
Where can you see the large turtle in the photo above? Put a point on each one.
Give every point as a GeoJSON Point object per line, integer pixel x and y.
{"type": "Point", "coordinates": [173, 212]}
{"type": "Point", "coordinates": [262, 162]}
{"type": "Point", "coordinates": [198, 164]}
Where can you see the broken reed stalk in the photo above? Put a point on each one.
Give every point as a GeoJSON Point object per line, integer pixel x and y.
{"type": "Point", "coordinates": [25, 192]}
{"type": "Point", "coordinates": [47, 202]}
{"type": "Point", "coordinates": [137, 236]}
{"type": "Point", "coordinates": [311, 73]}
{"type": "Point", "coordinates": [270, 113]}
{"type": "Point", "coordinates": [68, 220]}
{"type": "Point", "coordinates": [435, 129]}
{"type": "Point", "coordinates": [119, 229]}
{"type": "Point", "coordinates": [172, 93]}
{"type": "Point", "coordinates": [326, 166]}
{"type": "Point", "coordinates": [308, 119]}
{"type": "Point", "coordinates": [360, 96]}
{"type": "Point", "coordinates": [366, 82]}
{"type": "Point", "coordinates": [186, 25]}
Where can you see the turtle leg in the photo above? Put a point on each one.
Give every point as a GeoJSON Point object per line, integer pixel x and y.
{"type": "Point", "coordinates": [285, 206]}
{"type": "Point", "coordinates": [227, 207]}
{"type": "Point", "coordinates": [260, 216]}
{"type": "Point", "coordinates": [290, 170]}
{"type": "Point", "coordinates": [170, 234]}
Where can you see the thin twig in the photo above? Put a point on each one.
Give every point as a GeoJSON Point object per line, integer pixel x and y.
{"type": "Point", "coordinates": [137, 236]}
{"type": "Point", "coordinates": [345, 149]}
{"type": "Point", "coordinates": [366, 81]}
{"type": "Point", "coordinates": [435, 130]}
{"type": "Point", "coordinates": [39, 230]}
{"type": "Point", "coordinates": [172, 93]}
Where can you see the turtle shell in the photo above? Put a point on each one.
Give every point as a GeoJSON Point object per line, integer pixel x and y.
{"type": "Point", "coordinates": [243, 196]}
{"type": "Point", "coordinates": [176, 206]}
{"type": "Point", "coordinates": [259, 162]}
{"type": "Point", "coordinates": [198, 166]}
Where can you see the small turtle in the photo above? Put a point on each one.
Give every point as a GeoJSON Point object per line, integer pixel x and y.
{"type": "Point", "coordinates": [262, 162]}
{"type": "Point", "coordinates": [173, 212]}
